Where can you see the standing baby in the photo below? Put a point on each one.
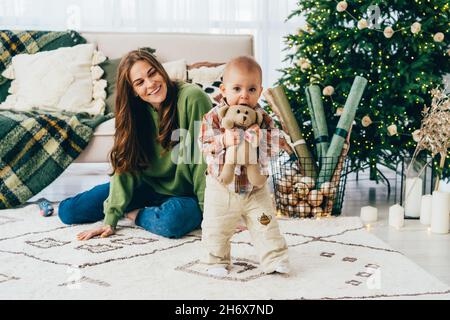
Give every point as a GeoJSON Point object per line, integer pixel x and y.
{"type": "Point", "coordinates": [227, 202]}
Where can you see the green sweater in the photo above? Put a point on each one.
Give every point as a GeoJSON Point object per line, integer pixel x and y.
{"type": "Point", "coordinates": [165, 176]}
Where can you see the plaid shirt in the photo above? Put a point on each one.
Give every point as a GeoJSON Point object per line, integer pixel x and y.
{"type": "Point", "coordinates": [213, 149]}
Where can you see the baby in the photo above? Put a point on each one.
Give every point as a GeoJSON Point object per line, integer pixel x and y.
{"type": "Point", "coordinates": [225, 205]}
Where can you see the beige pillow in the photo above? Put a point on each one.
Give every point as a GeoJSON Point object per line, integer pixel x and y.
{"type": "Point", "coordinates": [205, 74]}
{"type": "Point", "coordinates": [176, 69]}
{"type": "Point", "coordinates": [63, 79]}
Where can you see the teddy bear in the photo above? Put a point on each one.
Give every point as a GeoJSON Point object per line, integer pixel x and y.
{"type": "Point", "coordinates": [246, 152]}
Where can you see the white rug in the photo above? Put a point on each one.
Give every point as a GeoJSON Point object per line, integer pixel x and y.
{"type": "Point", "coordinates": [334, 258]}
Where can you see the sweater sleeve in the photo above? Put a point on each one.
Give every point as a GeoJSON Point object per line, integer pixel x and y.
{"type": "Point", "coordinates": [199, 104]}
{"type": "Point", "coordinates": [121, 189]}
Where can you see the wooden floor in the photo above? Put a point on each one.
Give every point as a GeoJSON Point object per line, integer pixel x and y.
{"type": "Point", "coordinates": [430, 251]}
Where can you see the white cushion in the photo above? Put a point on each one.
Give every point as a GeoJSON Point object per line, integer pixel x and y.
{"type": "Point", "coordinates": [206, 75]}
{"type": "Point", "coordinates": [177, 70]}
{"type": "Point", "coordinates": [61, 79]}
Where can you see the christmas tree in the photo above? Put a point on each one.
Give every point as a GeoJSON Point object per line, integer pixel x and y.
{"type": "Point", "coordinates": [400, 46]}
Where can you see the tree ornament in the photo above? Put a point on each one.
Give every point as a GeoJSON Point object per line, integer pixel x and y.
{"type": "Point", "coordinates": [315, 198]}
{"type": "Point", "coordinates": [439, 37]}
{"type": "Point", "coordinates": [301, 190]}
{"type": "Point", "coordinates": [388, 32]}
{"type": "Point", "coordinates": [392, 130]}
{"type": "Point", "coordinates": [292, 199]}
{"type": "Point", "coordinates": [341, 6]}
{"type": "Point", "coordinates": [315, 78]}
{"type": "Point", "coordinates": [304, 64]}
{"type": "Point", "coordinates": [339, 111]}
{"type": "Point", "coordinates": [317, 212]}
{"type": "Point", "coordinates": [416, 27]}
{"type": "Point", "coordinates": [284, 199]}
{"type": "Point", "coordinates": [362, 24]}
{"type": "Point", "coordinates": [308, 181]}
{"type": "Point", "coordinates": [304, 209]}
{"type": "Point", "coordinates": [328, 189]}
{"type": "Point", "coordinates": [366, 121]}
{"type": "Point", "coordinates": [416, 135]}
{"type": "Point", "coordinates": [328, 91]}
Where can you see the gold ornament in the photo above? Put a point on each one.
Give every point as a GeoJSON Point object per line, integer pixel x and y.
{"type": "Point", "coordinates": [303, 209]}
{"type": "Point", "coordinates": [439, 37]}
{"type": "Point", "coordinates": [290, 211]}
{"type": "Point", "coordinates": [317, 212]}
{"type": "Point", "coordinates": [416, 27]}
{"type": "Point", "coordinates": [285, 185]}
{"type": "Point", "coordinates": [392, 130]}
{"type": "Point", "coordinates": [339, 112]}
{"type": "Point", "coordinates": [301, 190]}
{"type": "Point", "coordinates": [310, 183]}
{"type": "Point", "coordinates": [304, 64]}
{"type": "Point", "coordinates": [341, 6]}
{"type": "Point", "coordinates": [362, 24]}
{"type": "Point", "coordinates": [328, 91]}
{"type": "Point", "coordinates": [388, 32]}
{"type": "Point", "coordinates": [283, 199]}
{"type": "Point", "coordinates": [292, 199]}
{"type": "Point", "coordinates": [366, 121]}
{"type": "Point", "coordinates": [328, 189]}
{"type": "Point", "coordinates": [416, 135]}
{"type": "Point", "coordinates": [315, 198]}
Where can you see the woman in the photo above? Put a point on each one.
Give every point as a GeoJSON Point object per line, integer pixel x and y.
{"type": "Point", "coordinates": [147, 185]}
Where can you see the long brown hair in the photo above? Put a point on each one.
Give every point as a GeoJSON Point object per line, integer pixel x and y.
{"type": "Point", "coordinates": [132, 146]}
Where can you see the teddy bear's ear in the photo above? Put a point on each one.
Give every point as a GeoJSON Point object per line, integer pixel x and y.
{"type": "Point", "coordinates": [259, 118]}
{"type": "Point", "coordinates": [223, 110]}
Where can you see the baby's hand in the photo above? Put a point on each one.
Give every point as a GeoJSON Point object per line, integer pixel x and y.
{"type": "Point", "coordinates": [231, 138]}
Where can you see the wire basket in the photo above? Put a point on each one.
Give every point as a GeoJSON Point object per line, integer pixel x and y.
{"type": "Point", "coordinates": [297, 195]}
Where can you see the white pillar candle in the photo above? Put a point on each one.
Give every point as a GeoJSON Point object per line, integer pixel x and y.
{"type": "Point", "coordinates": [369, 214]}
{"type": "Point", "coordinates": [425, 209]}
{"type": "Point", "coordinates": [396, 216]}
{"type": "Point", "coordinates": [440, 218]}
{"type": "Point", "coordinates": [413, 197]}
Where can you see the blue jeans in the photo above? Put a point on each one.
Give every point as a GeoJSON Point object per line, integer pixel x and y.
{"type": "Point", "coordinates": [167, 216]}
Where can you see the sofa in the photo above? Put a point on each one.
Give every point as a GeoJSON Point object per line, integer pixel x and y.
{"type": "Point", "coordinates": [193, 48]}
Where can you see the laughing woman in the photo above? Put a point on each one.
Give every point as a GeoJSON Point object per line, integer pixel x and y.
{"type": "Point", "coordinates": [148, 184]}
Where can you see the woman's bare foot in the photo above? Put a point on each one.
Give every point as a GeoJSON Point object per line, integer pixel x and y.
{"type": "Point", "coordinates": [132, 215]}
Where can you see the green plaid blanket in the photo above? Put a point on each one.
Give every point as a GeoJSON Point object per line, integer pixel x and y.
{"type": "Point", "coordinates": [36, 147]}
{"type": "Point", "coordinates": [13, 42]}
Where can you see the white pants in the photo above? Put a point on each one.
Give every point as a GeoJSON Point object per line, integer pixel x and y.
{"type": "Point", "coordinates": [222, 212]}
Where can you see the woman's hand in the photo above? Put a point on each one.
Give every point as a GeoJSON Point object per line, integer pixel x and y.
{"type": "Point", "coordinates": [103, 231]}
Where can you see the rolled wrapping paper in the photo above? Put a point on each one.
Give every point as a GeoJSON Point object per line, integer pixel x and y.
{"type": "Point", "coordinates": [313, 119]}
{"type": "Point", "coordinates": [345, 123]}
{"type": "Point", "coordinates": [320, 128]}
{"type": "Point", "coordinates": [336, 178]}
{"type": "Point", "coordinates": [278, 101]}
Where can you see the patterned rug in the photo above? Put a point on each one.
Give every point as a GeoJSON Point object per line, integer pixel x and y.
{"type": "Point", "coordinates": [333, 258]}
